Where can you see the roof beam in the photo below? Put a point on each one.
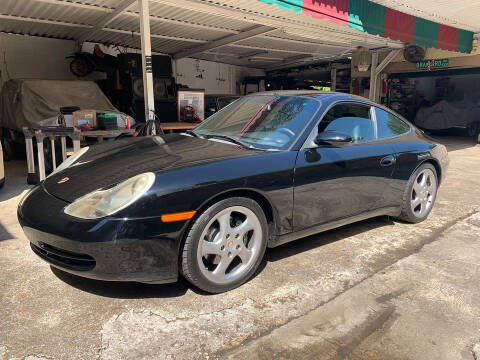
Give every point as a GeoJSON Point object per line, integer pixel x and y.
{"type": "Point", "coordinates": [391, 55]}
{"type": "Point", "coordinates": [305, 42]}
{"type": "Point", "coordinates": [43, 21]}
{"type": "Point", "coordinates": [123, 6]}
{"type": "Point", "coordinates": [270, 49]}
{"type": "Point", "coordinates": [252, 54]}
{"type": "Point", "coordinates": [289, 62]}
{"type": "Point", "coordinates": [256, 55]}
{"type": "Point", "coordinates": [155, 36]}
{"type": "Point", "coordinates": [230, 39]}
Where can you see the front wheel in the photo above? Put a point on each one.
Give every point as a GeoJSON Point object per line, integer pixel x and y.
{"type": "Point", "coordinates": [225, 245]}
{"type": "Point", "coordinates": [420, 194]}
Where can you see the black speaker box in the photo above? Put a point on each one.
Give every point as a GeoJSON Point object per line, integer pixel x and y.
{"type": "Point", "coordinates": [131, 64]}
{"type": "Point", "coordinates": [163, 87]}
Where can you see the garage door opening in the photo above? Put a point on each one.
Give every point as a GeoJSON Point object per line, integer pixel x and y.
{"type": "Point", "coordinates": [441, 102]}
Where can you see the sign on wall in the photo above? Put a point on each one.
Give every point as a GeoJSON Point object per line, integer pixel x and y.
{"type": "Point", "coordinates": [191, 98]}
{"type": "Point", "coordinates": [432, 64]}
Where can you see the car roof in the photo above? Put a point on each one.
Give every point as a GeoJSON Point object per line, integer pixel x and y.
{"type": "Point", "coordinates": [313, 93]}
{"type": "Point", "coordinates": [332, 95]}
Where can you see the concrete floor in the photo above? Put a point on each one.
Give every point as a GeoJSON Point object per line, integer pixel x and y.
{"type": "Point", "coordinates": [379, 289]}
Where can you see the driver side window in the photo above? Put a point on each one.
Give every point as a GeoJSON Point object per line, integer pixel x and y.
{"type": "Point", "coordinates": [350, 119]}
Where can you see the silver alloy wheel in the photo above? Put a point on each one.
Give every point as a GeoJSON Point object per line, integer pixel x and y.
{"type": "Point", "coordinates": [423, 193]}
{"type": "Point", "coordinates": [229, 245]}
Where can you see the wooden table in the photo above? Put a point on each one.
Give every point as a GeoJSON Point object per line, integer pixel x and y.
{"type": "Point", "coordinates": [171, 126]}
{"type": "Point", "coordinates": [100, 134]}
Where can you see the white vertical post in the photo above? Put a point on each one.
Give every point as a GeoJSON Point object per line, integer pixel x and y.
{"type": "Point", "coordinates": [40, 155]}
{"type": "Point", "coordinates": [333, 74]}
{"type": "Point", "coordinates": [373, 76]}
{"type": "Point", "coordinates": [147, 63]}
{"type": "Point", "coordinates": [63, 141]}
{"type": "Point", "coordinates": [52, 147]}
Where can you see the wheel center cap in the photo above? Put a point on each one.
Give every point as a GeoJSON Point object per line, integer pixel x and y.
{"type": "Point", "coordinates": [230, 244]}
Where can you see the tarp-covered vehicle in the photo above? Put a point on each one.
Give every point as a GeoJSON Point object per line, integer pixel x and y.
{"type": "Point", "coordinates": [35, 103]}
{"type": "Point", "coordinates": [38, 102]}
{"type": "Point", "coordinates": [449, 114]}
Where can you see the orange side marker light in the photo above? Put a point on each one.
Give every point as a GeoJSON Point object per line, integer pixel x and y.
{"type": "Point", "coordinates": [180, 216]}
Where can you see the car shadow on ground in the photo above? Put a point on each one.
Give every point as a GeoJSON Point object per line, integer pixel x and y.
{"type": "Point", "coordinates": [123, 290]}
{"type": "Point", "coordinates": [132, 290]}
{"type": "Point", "coordinates": [326, 237]}
{"type": "Point", "coordinates": [15, 180]}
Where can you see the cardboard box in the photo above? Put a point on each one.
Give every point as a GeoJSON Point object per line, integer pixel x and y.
{"type": "Point", "coordinates": [85, 117]}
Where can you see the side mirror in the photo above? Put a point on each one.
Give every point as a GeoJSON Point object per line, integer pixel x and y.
{"type": "Point", "coordinates": [332, 138]}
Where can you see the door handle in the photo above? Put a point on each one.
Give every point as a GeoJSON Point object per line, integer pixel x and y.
{"type": "Point", "coordinates": [388, 160]}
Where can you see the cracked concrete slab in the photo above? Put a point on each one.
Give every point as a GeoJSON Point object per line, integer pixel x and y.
{"type": "Point", "coordinates": [424, 303]}
{"type": "Point", "coordinates": [60, 316]}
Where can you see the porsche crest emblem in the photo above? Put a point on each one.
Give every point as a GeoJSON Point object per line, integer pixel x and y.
{"type": "Point", "coordinates": [64, 180]}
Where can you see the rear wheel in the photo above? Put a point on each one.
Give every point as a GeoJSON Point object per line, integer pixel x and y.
{"type": "Point", "coordinates": [225, 245]}
{"type": "Point", "coordinates": [420, 194]}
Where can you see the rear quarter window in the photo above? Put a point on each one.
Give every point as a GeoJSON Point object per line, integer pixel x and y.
{"type": "Point", "coordinates": [389, 125]}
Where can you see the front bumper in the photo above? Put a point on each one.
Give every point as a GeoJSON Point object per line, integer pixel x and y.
{"type": "Point", "coordinates": [115, 249]}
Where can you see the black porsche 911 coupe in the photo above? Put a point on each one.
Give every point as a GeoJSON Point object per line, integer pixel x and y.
{"type": "Point", "coordinates": [265, 170]}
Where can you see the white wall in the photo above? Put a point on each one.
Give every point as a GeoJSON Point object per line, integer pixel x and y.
{"type": "Point", "coordinates": [34, 58]}
{"type": "Point", "coordinates": [43, 58]}
{"type": "Point", "coordinates": [215, 78]}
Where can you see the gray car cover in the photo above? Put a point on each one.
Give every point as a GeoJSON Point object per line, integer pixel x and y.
{"type": "Point", "coordinates": [37, 102]}
{"type": "Point", "coordinates": [448, 114]}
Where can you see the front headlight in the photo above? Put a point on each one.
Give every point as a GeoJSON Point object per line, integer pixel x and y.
{"type": "Point", "coordinates": [105, 202]}
{"type": "Point", "coordinates": [74, 157]}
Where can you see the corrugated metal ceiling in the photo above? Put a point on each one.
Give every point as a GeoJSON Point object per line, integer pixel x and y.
{"type": "Point", "coordinates": [178, 25]}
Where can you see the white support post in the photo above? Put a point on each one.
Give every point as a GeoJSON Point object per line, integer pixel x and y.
{"type": "Point", "coordinates": [373, 76]}
{"type": "Point", "coordinates": [333, 74]}
{"type": "Point", "coordinates": [378, 68]}
{"type": "Point", "coordinates": [52, 148]}
{"type": "Point", "coordinates": [63, 142]}
{"type": "Point", "coordinates": [147, 65]}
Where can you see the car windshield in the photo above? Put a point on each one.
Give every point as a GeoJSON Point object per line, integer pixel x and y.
{"type": "Point", "coordinates": [224, 101]}
{"type": "Point", "coordinates": [268, 122]}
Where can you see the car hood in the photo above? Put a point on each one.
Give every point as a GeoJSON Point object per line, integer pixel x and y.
{"type": "Point", "coordinates": [112, 162]}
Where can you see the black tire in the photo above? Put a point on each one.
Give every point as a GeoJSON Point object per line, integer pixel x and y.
{"type": "Point", "coordinates": [406, 213]}
{"type": "Point", "coordinates": [8, 151]}
{"type": "Point", "coordinates": [473, 129]}
{"type": "Point", "coordinates": [189, 266]}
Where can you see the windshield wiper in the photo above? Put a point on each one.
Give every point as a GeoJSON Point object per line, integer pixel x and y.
{"type": "Point", "coordinates": [193, 133]}
{"type": "Point", "coordinates": [230, 139]}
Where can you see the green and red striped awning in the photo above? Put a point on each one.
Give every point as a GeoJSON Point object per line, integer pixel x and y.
{"type": "Point", "coordinates": [372, 18]}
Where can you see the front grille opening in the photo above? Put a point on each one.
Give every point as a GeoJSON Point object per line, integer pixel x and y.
{"type": "Point", "coordinates": [64, 258]}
